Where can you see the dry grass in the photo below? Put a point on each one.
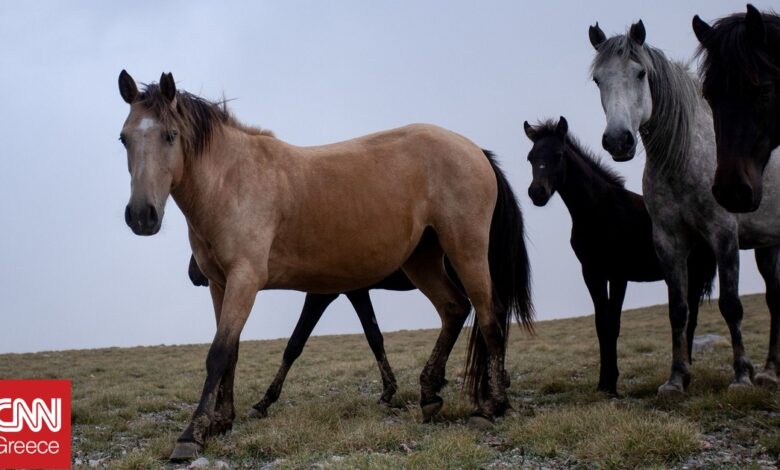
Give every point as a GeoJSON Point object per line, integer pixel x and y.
{"type": "Point", "coordinates": [130, 404]}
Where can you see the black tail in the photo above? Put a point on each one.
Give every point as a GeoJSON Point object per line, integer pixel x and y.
{"type": "Point", "coordinates": [511, 277]}
{"type": "Point", "coordinates": [701, 270]}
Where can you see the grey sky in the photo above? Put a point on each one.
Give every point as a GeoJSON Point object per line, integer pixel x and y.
{"type": "Point", "coordinates": [72, 275]}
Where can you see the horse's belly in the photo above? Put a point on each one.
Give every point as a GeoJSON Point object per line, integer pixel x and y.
{"type": "Point", "coordinates": [339, 263]}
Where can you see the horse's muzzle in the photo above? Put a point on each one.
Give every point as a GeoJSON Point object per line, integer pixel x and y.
{"type": "Point", "coordinates": [143, 219]}
{"type": "Point", "coordinates": [539, 194]}
{"type": "Point", "coordinates": [621, 145]}
{"type": "Point", "coordinates": [740, 198]}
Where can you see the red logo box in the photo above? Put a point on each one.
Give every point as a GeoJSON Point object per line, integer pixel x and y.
{"type": "Point", "coordinates": [35, 424]}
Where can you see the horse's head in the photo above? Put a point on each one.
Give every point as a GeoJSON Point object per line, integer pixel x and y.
{"type": "Point", "coordinates": [155, 158]}
{"type": "Point", "coordinates": [741, 82]}
{"type": "Point", "coordinates": [546, 159]}
{"type": "Point", "coordinates": [625, 91]}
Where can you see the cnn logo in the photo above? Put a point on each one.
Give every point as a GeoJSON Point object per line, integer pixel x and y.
{"type": "Point", "coordinates": [34, 416]}
{"type": "Point", "coordinates": [35, 424]}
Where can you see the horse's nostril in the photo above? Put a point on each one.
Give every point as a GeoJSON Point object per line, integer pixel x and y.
{"type": "Point", "coordinates": [152, 216]}
{"type": "Point", "coordinates": [628, 139]}
{"type": "Point", "coordinates": [127, 215]}
{"type": "Point", "coordinates": [743, 194]}
{"type": "Point", "coordinates": [605, 142]}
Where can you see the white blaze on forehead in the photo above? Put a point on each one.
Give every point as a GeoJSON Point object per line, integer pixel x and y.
{"type": "Point", "coordinates": [146, 123]}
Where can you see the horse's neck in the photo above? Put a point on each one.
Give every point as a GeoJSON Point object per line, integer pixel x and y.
{"type": "Point", "coordinates": [582, 189]}
{"type": "Point", "coordinates": [209, 178]}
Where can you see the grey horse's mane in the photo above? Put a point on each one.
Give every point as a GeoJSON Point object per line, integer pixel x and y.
{"type": "Point", "coordinates": [676, 94]}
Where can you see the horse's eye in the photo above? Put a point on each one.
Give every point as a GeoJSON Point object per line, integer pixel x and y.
{"type": "Point", "coordinates": [641, 74]}
{"type": "Point", "coordinates": [596, 81]}
{"type": "Point", "coordinates": [170, 136]}
{"type": "Point", "coordinates": [123, 139]}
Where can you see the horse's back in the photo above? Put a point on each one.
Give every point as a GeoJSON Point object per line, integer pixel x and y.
{"type": "Point", "coordinates": [356, 210]}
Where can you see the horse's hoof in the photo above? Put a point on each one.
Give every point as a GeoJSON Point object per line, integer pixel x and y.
{"type": "Point", "coordinates": [384, 402]}
{"type": "Point", "coordinates": [185, 451]}
{"type": "Point", "coordinates": [767, 380]}
{"type": "Point", "coordinates": [478, 421]}
{"type": "Point", "coordinates": [671, 391]}
{"type": "Point", "coordinates": [255, 413]}
{"type": "Point", "coordinates": [740, 384]}
{"type": "Point", "coordinates": [609, 391]}
{"type": "Point", "coordinates": [429, 410]}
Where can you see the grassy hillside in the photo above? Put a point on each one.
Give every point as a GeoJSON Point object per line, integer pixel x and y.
{"type": "Point", "coordinates": [129, 405]}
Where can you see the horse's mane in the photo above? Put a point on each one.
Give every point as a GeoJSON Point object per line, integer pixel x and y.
{"type": "Point", "coordinates": [548, 128]}
{"type": "Point", "coordinates": [728, 44]}
{"type": "Point", "coordinates": [195, 118]}
{"type": "Point", "coordinates": [676, 95]}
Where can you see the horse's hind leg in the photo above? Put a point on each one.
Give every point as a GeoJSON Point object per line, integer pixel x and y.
{"type": "Point", "coordinates": [313, 308]}
{"type": "Point", "coordinates": [361, 300]}
{"type": "Point", "coordinates": [487, 365]}
{"type": "Point", "coordinates": [767, 260]}
{"type": "Point", "coordinates": [425, 268]}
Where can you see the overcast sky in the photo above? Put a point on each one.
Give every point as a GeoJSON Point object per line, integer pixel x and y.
{"type": "Point", "coordinates": [72, 275]}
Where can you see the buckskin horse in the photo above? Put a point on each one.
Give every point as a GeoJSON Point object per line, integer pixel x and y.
{"type": "Point", "coordinates": [265, 214]}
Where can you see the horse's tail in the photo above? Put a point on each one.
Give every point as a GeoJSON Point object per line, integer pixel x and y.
{"type": "Point", "coordinates": [701, 270]}
{"type": "Point", "coordinates": [511, 278]}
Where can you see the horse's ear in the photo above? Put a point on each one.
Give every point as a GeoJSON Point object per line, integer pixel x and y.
{"type": "Point", "coordinates": [168, 86]}
{"type": "Point", "coordinates": [754, 26]}
{"type": "Point", "coordinates": [529, 131]}
{"type": "Point", "coordinates": [702, 30]}
{"type": "Point", "coordinates": [596, 35]}
{"type": "Point", "coordinates": [127, 87]}
{"type": "Point", "coordinates": [563, 127]}
{"type": "Point", "coordinates": [637, 32]}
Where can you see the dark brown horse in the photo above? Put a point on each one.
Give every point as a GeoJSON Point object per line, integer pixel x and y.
{"type": "Point", "coordinates": [741, 81]}
{"type": "Point", "coordinates": [313, 308]}
{"type": "Point", "coordinates": [264, 214]}
{"type": "Point", "coordinates": [611, 234]}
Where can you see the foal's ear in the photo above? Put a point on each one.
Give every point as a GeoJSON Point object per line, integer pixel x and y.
{"type": "Point", "coordinates": [702, 30]}
{"type": "Point", "coordinates": [167, 86]}
{"type": "Point", "coordinates": [127, 87]}
{"type": "Point", "coordinates": [596, 35]}
{"type": "Point", "coordinates": [754, 26]}
{"type": "Point", "coordinates": [530, 132]}
{"type": "Point", "coordinates": [563, 127]}
{"type": "Point", "coordinates": [637, 32]}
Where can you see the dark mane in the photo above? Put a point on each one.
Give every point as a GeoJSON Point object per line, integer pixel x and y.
{"type": "Point", "coordinates": [195, 118]}
{"type": "Point", "coordinates": [727, 43]}
{"type": "Point", "coordinates": [547, 128]}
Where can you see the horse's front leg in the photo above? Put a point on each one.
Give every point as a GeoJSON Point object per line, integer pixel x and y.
{"type": "Point", "coordinates": [727, 252]}
{"type": "Point", "coordinates": [767, 260]}
{"type": "Point", "coordinates": [673, 254]}
{"type": "Point", "coordinates": [597, 287]}
{"type": "Point", "coordinates": [224, 411]}
{"type": "Point", "coordinates": [239, 296]}
{"type": "Point", "coordinates": [617, 293]}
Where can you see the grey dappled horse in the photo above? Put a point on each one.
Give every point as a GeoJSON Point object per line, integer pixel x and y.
{"type": "Point", "coordinates": [643, 92]}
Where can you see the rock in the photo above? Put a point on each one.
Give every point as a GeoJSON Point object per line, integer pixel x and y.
{"type": "Point", "coordinates": [272, 465]}
{"type": "Point", "coordinates": [202, 462]}
{"type": "Point", "coordinates": [703, 342]}
{"type": "Point", "coordinates": [221, 464]}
